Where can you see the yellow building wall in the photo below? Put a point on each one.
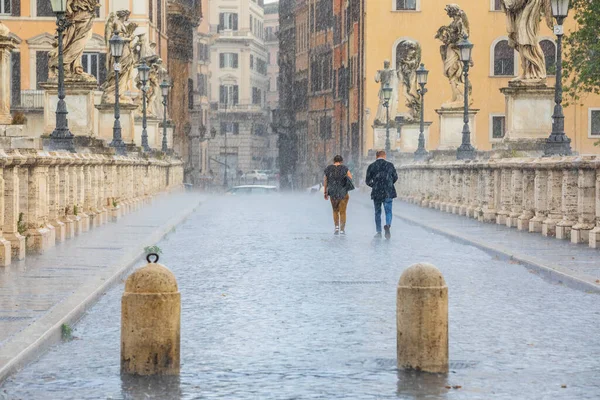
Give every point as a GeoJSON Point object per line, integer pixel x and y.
{"type": "Point", "coordinates": [383, 28]}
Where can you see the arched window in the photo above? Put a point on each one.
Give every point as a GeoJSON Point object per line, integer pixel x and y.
{"type": "Point", "coordinates": [504, 59]}
{"type": "Point", "coordinates": [549, 49]}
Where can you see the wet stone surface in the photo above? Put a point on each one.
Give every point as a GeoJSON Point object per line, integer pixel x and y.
{"type": "Point", "coordinates": [275, 307]}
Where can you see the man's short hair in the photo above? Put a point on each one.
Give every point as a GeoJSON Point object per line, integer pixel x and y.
{"type": "Point", "coordinates": [338, 158]}
{"type": "Point", "coordinates": [380, 153]}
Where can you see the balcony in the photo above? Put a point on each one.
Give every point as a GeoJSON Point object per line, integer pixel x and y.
{"type": "Point", "coordinates": [239, 108]}
{"type": "Point", "coordinates": [29, 100]}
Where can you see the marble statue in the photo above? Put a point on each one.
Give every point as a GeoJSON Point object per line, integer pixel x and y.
{"type": "Point", "coordinates": [408, 59]}
{"type": "Point", "coordinates": [387, 77]}
{"type": "Point", "coordinates": [4, 31]}
{"type": "Point", "coordinates": [523, 19]}
{"type": "Point", "coordinates": [145, 51]}
{"type": "Point", "coordinates": [450, 35]}
{"type": "Point", "coordinates": [119, 23]}
{"type": "Point", "coordinates": [80, 16]}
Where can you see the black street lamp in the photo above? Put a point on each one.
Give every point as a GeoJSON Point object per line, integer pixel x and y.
{"type": "Point", "coordinates": [422, 74]}
{"type": "Point", "coordinates": [466, 151]}
{"type": "Point", "coordinates": [61, 138]}
{"type": "Point", "coordinates": [164, 88]}
{"type": "Point", "coordinates": [387, 95]}
{"type": "Point", "coordinates": [558, 144]}
{"type": "Point", "coordinates": [117, 43]}
{"type": "Point", "coordinates": [144, 73]}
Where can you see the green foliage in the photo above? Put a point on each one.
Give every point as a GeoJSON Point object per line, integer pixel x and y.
{"type": "Point", "coordinates": [152, 249]}
{"type": "Point", "coordinates": [21, 227]}
{"type": "Point", "coordinates": [75, 210]}
{"type": "Point", "coordinates": [19, 118]}
{"type": "Point", "coordinates": [66, 332]}
{"type": "Point", "coordinates": [115, 203]}
{"type": "Point", "coordinates": [582, 50]}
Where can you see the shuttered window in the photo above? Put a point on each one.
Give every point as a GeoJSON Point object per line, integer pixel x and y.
{"type": "Point", "coordinates": [41, 67]}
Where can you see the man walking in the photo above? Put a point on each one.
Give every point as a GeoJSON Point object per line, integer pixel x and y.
{"type": "Point", "coordinates": [381, 177]}
{"type": "Point", "coordinates": [336, 186]}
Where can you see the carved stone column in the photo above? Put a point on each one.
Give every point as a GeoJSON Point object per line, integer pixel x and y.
{"type": "Point", "coordinates": [81, 189]}
{"type": "Point", "coordinates": [528, 200]}
{"type": "Point", "coordinates": [554, 198]}
{"type": "Point", "coordinates": [505, 196]}
{"type": "Point", "coordinates": [586, 206]}
{"type": "Point", "coordinates": [65, 204]}
{"type": "Point", "coordinates": [569, 204]}
{"type": "Point", "coordinates": [489, 202]}
{"type": "Point", "coordinates": [74, 209]}
{"type": "Point", "coordinates": [12, 212]}
{"type": "Point", "coordinates": [7, 45]}
{"type": "Point", "coordinates": [516, 194]}
{"type": "Point", "coordinates": [39, 237]}
{"type": "Point", "coordinates": [54, 208]}
{"type": "Point", "coordinates": [540, 200]}
{"type": "Point", "coordinates": [595, 233]}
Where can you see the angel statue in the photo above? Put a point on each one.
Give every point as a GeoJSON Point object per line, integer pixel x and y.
{"type": "Point", "coordinates": [119, 24]}
{"type": "Point", "coordinates": [408, 59]}
{"type": "Point", "coordinates": [80, 16]}
{"type": "Point", "coordinates": [450, 35]}
{"type": "Point", "coordinates": [388, 78]}
{"type": "Point", "coordinates": [157, 74]}
{"type": "Point", "coordinates": [145, 52]}
{"type": "Point", "coordinates": [523, 25]}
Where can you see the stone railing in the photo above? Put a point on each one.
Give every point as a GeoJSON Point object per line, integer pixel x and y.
{"type": "Point", "coordinates": [557, 197]}
{"type": "Point", "coordinates": [52, 196]}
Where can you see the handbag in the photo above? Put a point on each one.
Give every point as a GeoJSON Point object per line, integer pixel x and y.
{"type": "Point", "coordinates": [349, 185]}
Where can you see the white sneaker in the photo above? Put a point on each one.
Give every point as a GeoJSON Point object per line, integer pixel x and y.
{"type": "Point", "coordinates": [337, 231]}
{"type": "Point", "coordinates": [342, 232]}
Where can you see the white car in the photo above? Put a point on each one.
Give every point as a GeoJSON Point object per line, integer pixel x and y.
{"type": "Point", "coordinates": [252, 189]}
{"type": "Point", "coordinates": [255, 175]}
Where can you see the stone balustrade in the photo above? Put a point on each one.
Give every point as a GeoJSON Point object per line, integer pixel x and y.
{"type": "Point", "coordinates": [53, 196]}
{"type": "Point", "coordinates": [557, 197]}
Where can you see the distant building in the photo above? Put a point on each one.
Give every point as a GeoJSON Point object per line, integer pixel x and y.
{"type": "Point", "coordinates": [272, 43]}
{"type": "Point", "coordinates": [238, 88]}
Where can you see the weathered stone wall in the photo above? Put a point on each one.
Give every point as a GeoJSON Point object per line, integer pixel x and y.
{"type": "Point", "coordinates": [48, 197]}
{"type": "Point", "coordinates": [557, 197]}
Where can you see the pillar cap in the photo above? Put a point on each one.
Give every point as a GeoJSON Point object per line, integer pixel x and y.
{"type": "Point", "coordinates": [422, 275]}
{"type": "Point", "coordinates": [153, 278]}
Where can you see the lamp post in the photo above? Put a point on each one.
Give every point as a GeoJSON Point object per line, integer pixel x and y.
{"type": "Point", "coordinates": [61, 138]}
{"type": "Point", "coordinates": [422, 74]}
{"type": "Point", "coordinates": [466, 151]}
{"type": "Point", "coordinates": [117, 43]}
{"type": "Point", "coordinates": [144, 73]}
{"type": "Point", "coordinates": [164, 88]}
{"type": "Point", "coordinates": [558, 143]}
{"type": "Point", "coordinates": [387, 95]}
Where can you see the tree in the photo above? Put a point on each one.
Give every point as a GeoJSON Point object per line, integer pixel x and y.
{"type": "Point", "coordinates": [582, 50]}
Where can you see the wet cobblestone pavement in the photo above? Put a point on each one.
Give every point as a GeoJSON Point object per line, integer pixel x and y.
{"type": "Point", "coordinates": [275, 307]}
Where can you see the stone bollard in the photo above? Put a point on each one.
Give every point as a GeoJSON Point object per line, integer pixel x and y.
{"type": "Point", "coordinates": [422, 319]}
{"type": "Point", "coordinates": [150, 322]}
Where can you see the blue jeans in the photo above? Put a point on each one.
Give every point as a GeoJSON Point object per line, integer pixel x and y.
{"type": "Point", "coordinates": [387, 205]}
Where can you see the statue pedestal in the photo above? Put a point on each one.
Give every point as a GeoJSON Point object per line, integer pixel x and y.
{"type": "Point", "coordinates": [106, 121]}
{"type": "Point", "coordinates": [528, 116]}
{"type": "Point", "coordinates": [409, 136]}
{"type": "Point", "coordinates": [451, 127]}
{"type": "Point", "coordinates": [80, 105]}
{"type": "Point", "coordinates": [7, 45]}
{"type": "Point", "coordinates": [153, 128]}
{"type": "Point", "coordinates": [379, 137]}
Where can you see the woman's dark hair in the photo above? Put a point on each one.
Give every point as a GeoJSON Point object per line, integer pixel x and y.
{"type": "Point", "coordinates": [338, 159]}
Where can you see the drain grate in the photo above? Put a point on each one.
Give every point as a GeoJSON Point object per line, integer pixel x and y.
{"type": "Point", "coordinates": [13, 319]}
{"type": "Point", "coordinates": [462, 364]}
{"type": "Point", "coordinates": [352, 282]}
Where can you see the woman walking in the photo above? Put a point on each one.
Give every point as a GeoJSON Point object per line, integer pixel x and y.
{"type": "Point", "coordinates": [337, 183]}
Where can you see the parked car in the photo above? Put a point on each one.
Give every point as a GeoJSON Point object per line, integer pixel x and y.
{"type": "Point", "coordinates": [255, 175]}
{"type": "Point", "coordinates": [252, 189]}
{"type": "Point", "coordinates": [271, 175]}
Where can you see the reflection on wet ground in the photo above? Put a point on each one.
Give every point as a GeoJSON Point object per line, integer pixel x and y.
{"type": "Point", "coordinates": [275, 307]}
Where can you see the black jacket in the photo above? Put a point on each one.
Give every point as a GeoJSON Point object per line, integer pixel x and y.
{"type": "Point", "coordinates": [381, 176]}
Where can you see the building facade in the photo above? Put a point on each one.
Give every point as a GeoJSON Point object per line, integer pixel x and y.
{"type": "Point", "coordinates": [494, 65]}
{"type": "Point", "coordinates": [272, 44]}
{"type": "Point", "coordinates": [239, 137]}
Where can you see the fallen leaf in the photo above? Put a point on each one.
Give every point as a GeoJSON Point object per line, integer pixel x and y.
{"type": "Point", "coordinates": [457, 387]}
{"type": "Point", "coordinates": [563, 386]}
{"type": "Point", "coordinates": [448, 387]}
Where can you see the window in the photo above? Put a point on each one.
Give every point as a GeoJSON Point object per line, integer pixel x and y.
{"type": "Point", "coordinates": [497, 5]}
{"type": "Point", "coordinates": [228, 60]}
{"type": "Point", "coordinates": [228, 21]}
{"type": "Point", "coordinates": [549, 49]}
{"type": "Point", "coordinates": [202, 84]}
{"type": "Point", "coordinates": [231, 128]}
{"type": "Point", "coordinates": [504, 59]}
{"type": "Point", "coordinates": [251, 61]}
{"type": "Point", "coordinates": [261, 66]}
{"type": "Point", "coordinates": [89, 62]}
{"type": "Point", "coordinates": [594, 122]}
{"type": "Point", "coordinates": [151, 10]}
{"type": "Point", "coordinates": [41, 67]}
{"type": "Point", "coordinates": [498, 126]}
{"type": "Point", "coordinates": [406, 5]}
{"type": "Point", "coordinates": [44, 9]}
{"type": "Point", "coordinates": [203, 52]}
{"type": "Point", "coordinates": [229, 94]}
{"type": "Point", "coordinates": [5, 7]}
{"type": "Point", "coordinates": [15, 73]}
{"type": "Point", "coordinates": [256, 96]}
{"type": "Point", "coordinates": [190, 94]}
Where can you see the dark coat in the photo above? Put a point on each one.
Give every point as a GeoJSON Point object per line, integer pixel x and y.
{"type": "Point", "coordinates": [381, 176]}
